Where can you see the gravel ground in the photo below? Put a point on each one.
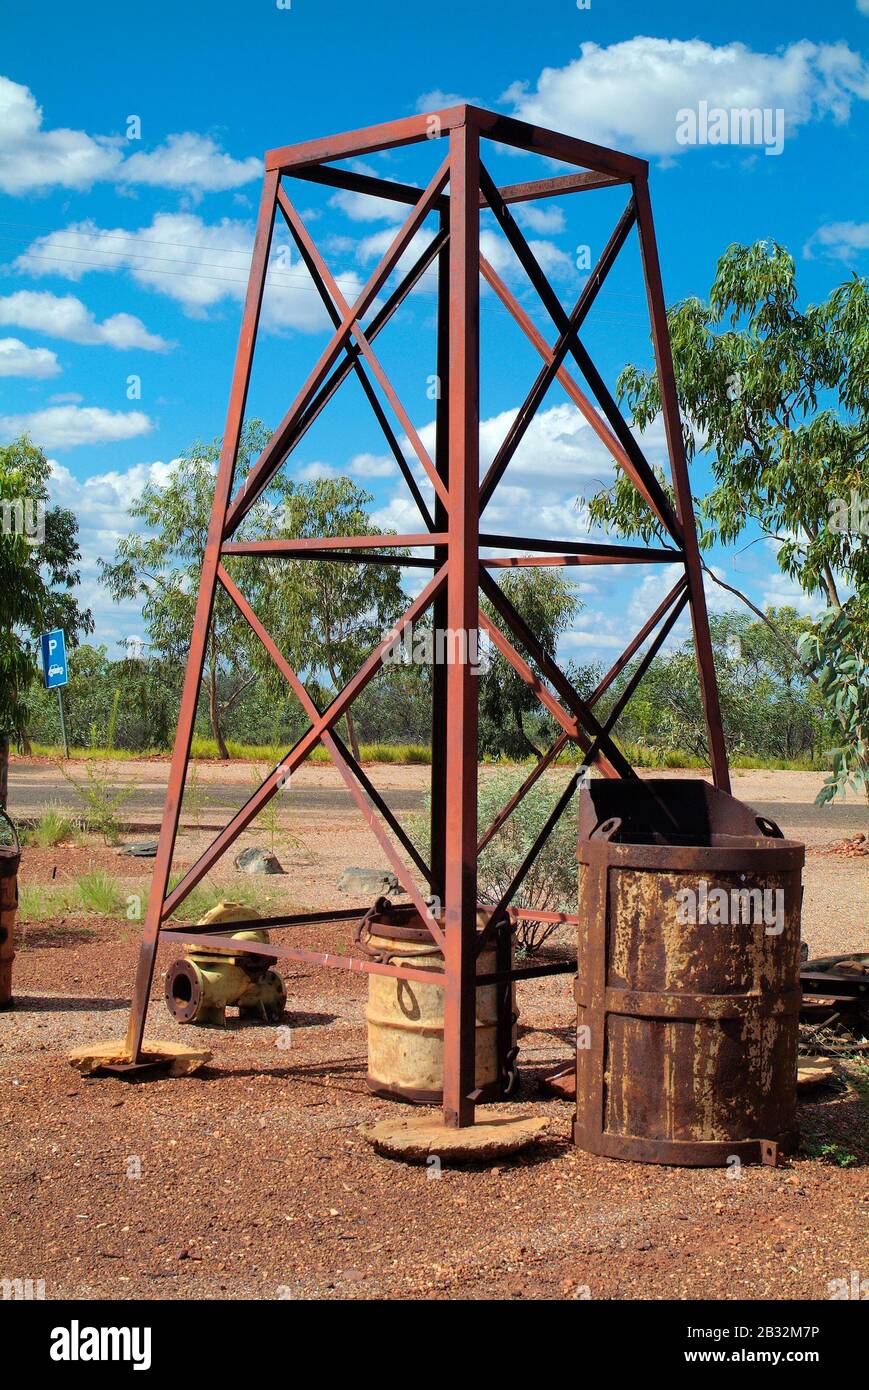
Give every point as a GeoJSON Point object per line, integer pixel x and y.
{"type": "Point", "coordinates": [255, 1183]}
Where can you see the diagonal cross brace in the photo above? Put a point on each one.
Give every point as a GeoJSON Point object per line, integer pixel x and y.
{"type": "Point", "coordinates": [641, 473]}
{"type": "Point", "coordinates": [564, 737]}
{"type": "Point", "coordinates": [554, 674]}
{"type": "Point", "coordinates": [362, 376]}
{"type": "Point", "coordinates": [352, 351]}
{"type": "Point", "coordinates": [275, 451]}
{"type": "Point", "coordinates": [299, 752]}
{"type": "Point", "coordinates": [676, 601]}
{"type": "Point", "coordinates": [345, 763]}
{"type": "Point", "coordinates": [338, 309]}
{"type": "Point", "coordinates": [550, 370]}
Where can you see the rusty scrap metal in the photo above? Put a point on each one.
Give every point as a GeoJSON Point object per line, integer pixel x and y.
{"type": "Point", "coordinates": [686, 1031]}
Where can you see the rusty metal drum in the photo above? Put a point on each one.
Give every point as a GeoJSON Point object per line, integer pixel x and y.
{"type": "Point", "coordinates": [687, 976]}
{"type": "Point", "coordinates": [10, 859]}
{"type": "Point", "coordinates": [405, 1017]}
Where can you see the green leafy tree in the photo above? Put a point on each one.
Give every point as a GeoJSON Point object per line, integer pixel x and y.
{"type": "Point", "coordinates": [837, 647]}
{"type": "Point", "coordinates": [39, 554]}
{"type": "Point", "coordinates": [769, 706]}
{"type": "Point", "coordinates": [161, 567]}
{"type": "Point", "coordinates": [512, 720]}
{"type": "Point", "coordinates": [331, 614]}
{"type": "Point", "coordinates": [130, 703]}
{"type": "Point", "coordinates": [776, 398]}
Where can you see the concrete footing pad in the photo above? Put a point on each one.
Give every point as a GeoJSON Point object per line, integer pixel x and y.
{"type": "Point", "coordinates": [417, 1138]}
{"type": "Point", "coordinates": [815, 1071]}
{"type": "Point", "coordinates": [177, 1058]}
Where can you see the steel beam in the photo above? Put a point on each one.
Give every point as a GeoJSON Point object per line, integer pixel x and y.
{"type": "Point", "coordinates": [460, 898]}
{"type": "Point", "coordinates": [203, 614]}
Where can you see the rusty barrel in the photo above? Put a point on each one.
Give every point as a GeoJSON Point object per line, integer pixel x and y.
{"type": "Point", "coordinates": [10, 859]}
{"type": "Point", "coordinates": [687, 976]}
{"type": "Point", "coordinates": [405, 1017]}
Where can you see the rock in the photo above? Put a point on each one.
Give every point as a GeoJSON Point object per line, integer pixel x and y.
{"type": "Point", "coordinates": [256, 860]}
{"type": "Point", "coordinates": [371, 882]}
{"type": "Point", "coordinates": [141, 849]}
{"type": "Point", "coordinates": [180, 1059]}
{"type": "Point", "coordinates": [418, 1138]}
{"type": "Point", "coordinates": [814, 1071]}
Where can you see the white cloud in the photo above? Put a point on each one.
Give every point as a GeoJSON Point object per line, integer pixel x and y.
{"type": "Point", "coordinates": [189, 161]}
{"type": "Point", "coordinates": [313, 472]}
{"type": "Point", "coordinates": [64, 316]}
{"type": "Point", "coordinates": [863, 6]}
{"type": "Point", "coordinates": [539, 219]}
{"type": "Point", "coordinates": [840, 241]}
{"type": "Point", "coordinates": [657, 582]}
{"type": "Point", "coordinates": [17, 359]}
{"type": "Point", "coordinates": [493, 246]}
{"type": "Point", "coordinates": [439, 100]}
{"type": "Point", "coordinates": [559, 462]}
{"type": "Point", "coordinates": [782, 591]}
{"type": "Point", "coordinates": [100, 505]}
{"type": "Point", "coordinates": [628, 94]}
{"type": "Point", "coordinates": [198, 264]}
{"type": "Point", "coordinates": [65, 426]}
{"type": "Point", "coordinates": [34, 158]}
{"type": "Point", "coordinates": [372, 466]}
{"type": "Point", "coordinates": [554, 262]}
{"type": "Point", "coordinates": [364, 207]}
{"type": "Point", "coordinates": [591, 632]}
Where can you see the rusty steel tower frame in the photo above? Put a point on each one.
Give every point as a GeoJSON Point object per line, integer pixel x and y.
{"type": "Point", "coordinates": [452, 532]}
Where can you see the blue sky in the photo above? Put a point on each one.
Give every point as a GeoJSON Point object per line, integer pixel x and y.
{"type": "Point", "coordinates": [126, 257]}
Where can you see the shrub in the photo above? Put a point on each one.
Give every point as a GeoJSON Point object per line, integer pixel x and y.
{"type": "Point", "coordinates": [551, 884]}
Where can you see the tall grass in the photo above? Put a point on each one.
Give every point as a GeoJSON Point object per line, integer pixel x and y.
{"type": "Point", "coordinates": [54, 827]}
{"type": "Point", "coordinates": [38, 902]}
{"type": "Point", "coordinates": [401, 753]}
{"type": "Point", "coordinates": [99, 894]}
{"type": "Point", "coordinates": [410, 754]}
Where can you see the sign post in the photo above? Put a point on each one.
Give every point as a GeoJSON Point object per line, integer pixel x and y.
{"type": "Point", "coordinates": [55, 673]}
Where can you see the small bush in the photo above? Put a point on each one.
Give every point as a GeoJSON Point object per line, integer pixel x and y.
{"type": "Point", "coordinates": [551, 884]}
{"type": "Point", "coordinates": [100, 893]}
{"type": "Point", "coordinates": [39, 902]}
{"type": "Point", "coordinates": [54, 827]}
{"type": "Point", "coordinates": [100, 801]}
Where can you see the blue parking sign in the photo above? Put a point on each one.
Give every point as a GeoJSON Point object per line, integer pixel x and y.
{"type": "Point", "coordinates": [54, 669]}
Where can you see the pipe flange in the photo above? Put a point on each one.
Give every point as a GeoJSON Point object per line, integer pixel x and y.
{"type": "Point", "coordinates": [183, 990]}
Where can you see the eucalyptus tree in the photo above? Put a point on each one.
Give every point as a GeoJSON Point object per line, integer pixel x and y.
{"type": "Point", "coordinates": [776, 398]}
{"type": "Point", "coordinates": [39, 555]}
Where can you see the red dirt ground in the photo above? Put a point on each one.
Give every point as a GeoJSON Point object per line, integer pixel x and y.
{"type": "Point", "coordinates": [255, 1183]}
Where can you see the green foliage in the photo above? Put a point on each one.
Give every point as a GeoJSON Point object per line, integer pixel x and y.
{"type": "Point", "coordinates": [830, 1151]}
{"type": "Point", "coordinates": [110, 705]}
{"type": "Point", "coordinates": [770, 709]}
{"type": "Point", "coordinates": [100, 893]}
{"type": "Point", "coordinates": [551, 884]}
{"type": "Point", "coordinates": [36, 580]}
{"type": "Point", "coordinates": [776, 397]}
{"type": "Point", "coordinates": [329, 615]}
{"type": "Point", "coordinates": [100, 800]}
{"type": "Point", "coordinates": [161, 567]}
{"type": "Point", "coordinates": [196, 797]}
{"type": "Point", "coordinates": [41, 902]}
{"type": "Point", "coordinates": [54, 827]}
{"type": "Point", "coordinates": [268, 818]}
{"type": "Point", "coordinates": [838, 647]}
{"type": "Point", "coordinates": [512, 721]}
